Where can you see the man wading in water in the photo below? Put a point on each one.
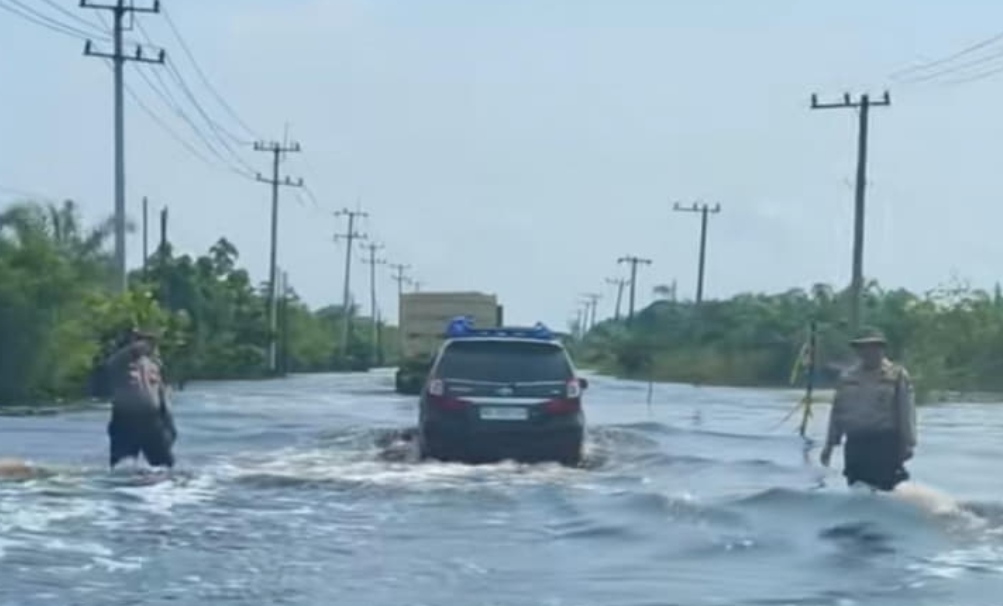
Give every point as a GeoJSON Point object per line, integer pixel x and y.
{"type": "Point", "coordinates": [141, 421]}
{"type": "Point", "coordinates": [874, 408]}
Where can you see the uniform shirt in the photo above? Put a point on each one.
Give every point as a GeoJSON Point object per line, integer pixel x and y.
{"type": "Point", "coordinates": [878, 400]}
{"type": "Point", "coordinates": [136, 380]}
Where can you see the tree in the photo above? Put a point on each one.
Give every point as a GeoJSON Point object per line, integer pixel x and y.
{"type": "Point", "coordinates": [949, 337]}
{"type": "Point", "coordinates": [58, 310]}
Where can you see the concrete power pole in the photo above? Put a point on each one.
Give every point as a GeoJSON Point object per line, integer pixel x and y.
{"type": "Point", "coordinates": [619, 283]}
{"type": "Point", "coordinates": [704, 210]}
{"type": "Point", "coordinates": [146, 234]}
{"type": "Point", "coordinates": [276, 149]}
{"type": "Point", "coordinates": [633, 261]}
{"type": "Point", "coordinates": [162, 249]}
{"type": "Point", "coordinates": [400, 279]}
{"type": "Point", "coordinates": [863, 106]}
{"type": "Point", "coordinates": [118, 58]}
{"type": "Point", "coordinates": [349, 236]}
{"type": "Point", "coordinates": [372, 261]}
{"type": "Point", "coordinates": [591, 301]}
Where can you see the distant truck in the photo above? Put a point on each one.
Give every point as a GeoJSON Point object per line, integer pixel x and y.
{"type": "Point", "coordinates": [423, 320]}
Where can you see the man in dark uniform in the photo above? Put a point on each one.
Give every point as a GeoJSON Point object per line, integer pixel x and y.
{"type": "Point", "coordinates": [874, 409]}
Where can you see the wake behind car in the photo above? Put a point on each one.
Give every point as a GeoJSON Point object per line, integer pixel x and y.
{"type": "Point", "coordinates": [502, 393]}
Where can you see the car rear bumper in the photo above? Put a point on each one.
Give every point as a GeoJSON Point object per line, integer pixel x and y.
{"type": "Point", "coordinates": [559, 439]}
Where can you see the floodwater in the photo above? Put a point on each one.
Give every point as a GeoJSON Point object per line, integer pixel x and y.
{"type": "Point", "coordinates": [283, 496]}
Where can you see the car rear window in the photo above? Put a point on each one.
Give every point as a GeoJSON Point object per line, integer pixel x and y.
{"type": "Point", "coordinates": [504, 362]}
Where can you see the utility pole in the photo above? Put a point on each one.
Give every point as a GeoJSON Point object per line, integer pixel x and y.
{"type": "Point", "coordinates": [372, 261]}
{"type": "Point", "coordinates": [619, 283]}
{"type": "Point", "coordinates": [400, 279]}
{"type": "Point", "coordinates": [634, 261]}
{"type": "Point", "coordinates": [591, 301]}
{"type": "Point", "coordinates": [163, 232]}
{"type": "Point", "coordinates": [417, 285]}
{"type": "Point", "coordinates": [704, 210]}
{"type": "Point", "coordinates": [146, 233]}
{"type": "Point", "coordinates": [349, 236]}
{"type": "Point", "coordinates": [118, 57]}
{"type": "Point", "coordinates": [276, 149]}
{"type": "Point", "coordinates": [283, 364]}
{"type": "Point", "coordinates": [863, 106]}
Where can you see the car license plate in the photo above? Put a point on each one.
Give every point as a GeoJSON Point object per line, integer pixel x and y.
{"type": "Point", "coordinates": [503, 413]}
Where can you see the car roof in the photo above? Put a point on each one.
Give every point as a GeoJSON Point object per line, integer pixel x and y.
{"type": "Point", "coordinates": [554, 343]}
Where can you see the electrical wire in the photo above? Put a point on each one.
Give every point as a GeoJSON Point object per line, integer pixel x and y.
{"type": "Point", "coordinates": [957, 68]}
{"type": "Point", "coordinates": [961, 53]}
{"type": "Point", "coordinates": [205, 80]}
{"type": "Point", "coordinates": [163, 125]}
{"type": "Point", "coordinates": [43, 21]}
{"type": "Point", "coordinates": [167, 99]}
{"type": "Point", "coordinates": [217, 128]}
{"type": "Point", "coordinates": [69, 14]}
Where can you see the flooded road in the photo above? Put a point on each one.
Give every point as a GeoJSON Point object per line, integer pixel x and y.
{"type": "Point", "coordinates": [283, 497]}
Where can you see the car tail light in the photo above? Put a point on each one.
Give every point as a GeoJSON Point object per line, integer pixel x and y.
{"type": "Point", "coordinates": [574, 389]}
{"type": "Point", "coordinates": [563, 406]}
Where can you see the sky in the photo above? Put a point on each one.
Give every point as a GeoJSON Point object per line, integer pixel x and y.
{"type": "Point", "coordinates": [522, 147]}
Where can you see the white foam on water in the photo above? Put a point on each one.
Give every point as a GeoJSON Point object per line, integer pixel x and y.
{"type": "Point", "coordinates": [164, 495]}
{"type": "Point", "coordinates": [25, 514]}
{"type": "Point", "coordinates": [957, 562]}
{"type": "Point", "coordinates": [125, 564]}
{"type": "Point", "coordinates": [329, 465]}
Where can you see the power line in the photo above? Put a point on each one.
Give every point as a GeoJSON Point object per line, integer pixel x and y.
{"type": "Point", "coordinates": [863, 105]}
{"type": "Point", "coordinates": [163, 91]}
{"type": "Point", "coordinates": [704, 210]}
{"type": "Point", "coordinates": [205, 80]}
{"type": "Point", "coordinates": [961, 53]}
{"type": "Point", "coordinates": [29, 14]}
{"type": "Point", "coordinates": [276, 150]}
{"type": "Point", "coordinates": [976, 77]}
{"type": "Point", "coordinates": [66, 12]}
{"type": "Point", "coordinates": [219, 131]}
{"type": "Point", "coordinates": [171, 103]}
{"type": "Point", "coordinates": [160, 122]}
{"type": "Point", "coordinates": [956, 68]}
{"type": "Point", "coordinates": [173, 71]}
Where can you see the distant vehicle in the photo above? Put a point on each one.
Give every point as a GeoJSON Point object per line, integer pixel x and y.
{"type": "Point", "coordinates": [502, 393]}
{"type": "Point", "coordinates": [423, 317]}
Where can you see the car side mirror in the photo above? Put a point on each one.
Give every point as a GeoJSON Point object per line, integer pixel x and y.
{"type": "Point", "coordinates": [583, 382]}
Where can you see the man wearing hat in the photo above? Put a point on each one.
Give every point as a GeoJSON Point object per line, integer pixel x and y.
{"type": "Point", "coordinates": [141, 421]}
{"type": "Point", "coordinates": [874, 409]}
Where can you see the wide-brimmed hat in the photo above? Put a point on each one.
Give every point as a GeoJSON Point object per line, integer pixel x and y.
{"type": "Point", "coordinates": [869, 336]}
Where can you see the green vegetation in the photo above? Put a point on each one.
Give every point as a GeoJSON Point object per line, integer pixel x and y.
{"type": "Point", "coordinates": [950, 338]}
{"type": "Point", "coordinates": [58, 308]}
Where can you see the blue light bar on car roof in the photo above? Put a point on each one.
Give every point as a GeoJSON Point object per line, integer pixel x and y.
{"type": "Point", "coordinates": [463, 326]}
